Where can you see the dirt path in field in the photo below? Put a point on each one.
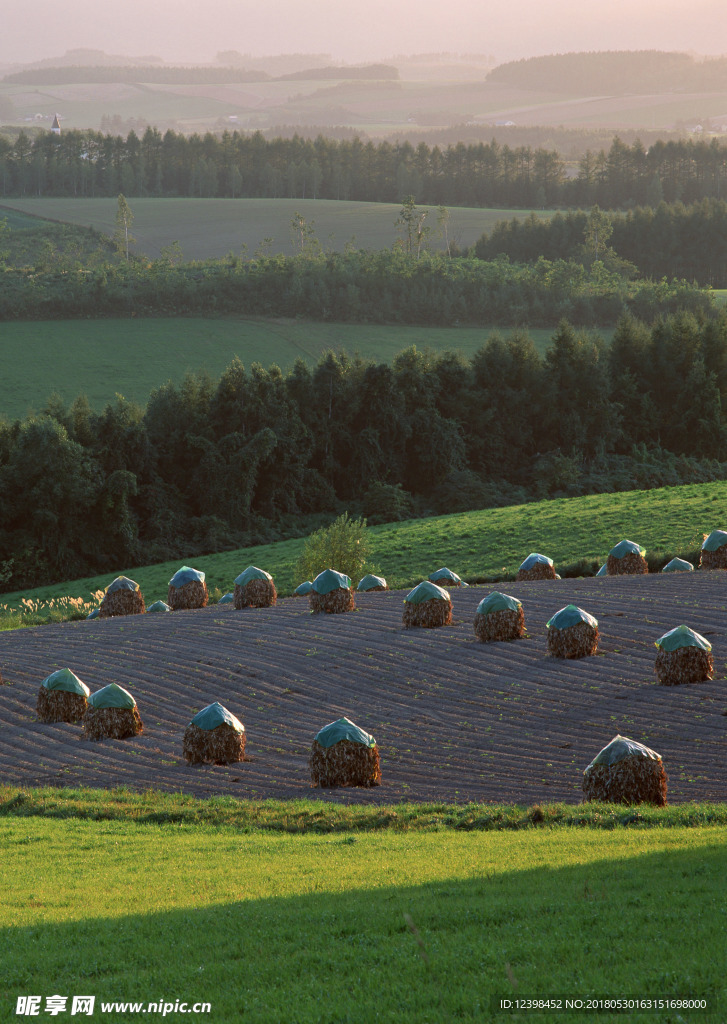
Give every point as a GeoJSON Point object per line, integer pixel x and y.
{"type": "Point", "coordinates": [455, 719]}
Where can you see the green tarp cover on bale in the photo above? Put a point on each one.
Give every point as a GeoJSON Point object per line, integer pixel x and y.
{"type": "Point", "coordinates": [214, 715]}
{"type": "Point", "coordinates": [226, 599]}
{"type": "Point", "coordinates": [250, 574]}
{"type": "Point", "coordinates": [158, 606]}
{"type": "Point", "coordinates": [329, 580]}
{"type": "Point", "coordinates": [627, 547]}
{"type": "Point", "coordinates": [344, 729]}
{"type": "Point", "coordinates": [186, 575]}
{"type": "Point", "coordinates": [682, 636]}
{"type": "Point", "coordinates": [603, 571]}
{"type": "Point", "coordinates": [717, 539]}
{"type": "Point", "coordinates": [535, 559]}
{"type": "Point", "coordinates": [571, 615]}
{"type": "Point", "coordinates": [371, 581]}
{"type": "Point", "coordinates": [304, 588]}
{"type": "Point", "coordinates": [445, 574]}
{"type": "Point", "coordinates": [497, 602]}
{"type": "Point", "coordinates": [621, 747]}
{"type": "Point", "coordinates": [94, 614]}
{"type": "Point", "coordinates": [426, 591]}
{"type": "Point", "coordinates": [66, 681]}
{"type": "Point", "coordinates": [678, 565]}
{"type": "Point", "coordinates": [121, 583]}
{"type": "Point", "coordinates": [112, 696]}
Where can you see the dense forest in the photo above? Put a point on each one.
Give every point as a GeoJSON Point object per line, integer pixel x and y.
{"type": "Point", "coordinates": [667, 241]}
{"type": "Point", "coordinates": [87, 163]}
{"type": "Point", "coordinates": [259, 454]}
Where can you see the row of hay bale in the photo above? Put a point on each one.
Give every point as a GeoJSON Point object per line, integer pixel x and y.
{"type": "Point", "coordinates": [342, 754]}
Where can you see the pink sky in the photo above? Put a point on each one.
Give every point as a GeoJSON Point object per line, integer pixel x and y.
{"type": "Point", "coordinates": [190, 30]}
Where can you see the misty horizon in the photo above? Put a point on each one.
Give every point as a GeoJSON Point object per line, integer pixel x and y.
{"type": "Point", "coordinates": [352, 34]}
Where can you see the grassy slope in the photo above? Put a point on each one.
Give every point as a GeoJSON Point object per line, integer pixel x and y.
{"type": "Point", "coordinates": [213, 227]}
{"type": "Point", "coordinates": [487, 543]}
{"type": "Point", "coordinates": [418, 926]}
{"type": "Point", "coordinates": [133, 356]}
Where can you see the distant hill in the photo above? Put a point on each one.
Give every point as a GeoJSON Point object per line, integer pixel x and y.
{"type": "Point", "coordinates": [612, 71]}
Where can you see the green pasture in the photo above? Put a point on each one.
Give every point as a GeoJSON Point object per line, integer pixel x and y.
{"type": "Point", "coordinates": [131, 357]}
{"type": "Point", "coordinates": [386, 926]}
{"type": "Point", "coordinates": [209, 228]}
{"type": "Point", "coordinates": [485, 545]}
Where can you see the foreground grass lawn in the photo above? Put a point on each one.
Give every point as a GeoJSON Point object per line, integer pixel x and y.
{"type": "Point", "coordinates": [420, 926]}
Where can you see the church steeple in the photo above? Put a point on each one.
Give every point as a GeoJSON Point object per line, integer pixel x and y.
{"type": "Point", "coordinates": [56, 127]}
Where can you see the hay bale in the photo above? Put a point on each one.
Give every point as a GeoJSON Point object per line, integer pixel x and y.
{"type": "Point", "coordinates": [499, 617]}
{"type": "Point", "coordinates": [626, 772]}
{"type": "Point", "coordinates": [603, 571]}
{"type": "Point", "coordinates": [93, 614]}
{"type": "Point", "coordinates": [187, 589]}
{"type": "Point", "coordinates": [227, 599]}
{"type": "Point", "coordinates": [536, 567]}
{"type": "Point", "coordinates": [627, 559]}
{"type": "Point", "coordinates": [678, 565]}
{"type": "Point", "coordinates": [714, 551]}
{"type": "Point", "coordinates": [112, 714]}
{"type": "Point", "coordinates": [158, 606]}
{"type": "Point", "coordinates": [427, 606]}
{"type": "Point", "coordinates": [334, 603]}
{"type": "Point", "coordinates": [572, 633]}
{"type": "Point", "coordinates": [684, 656]}
{"type": "Point", "coordinates": [370, 584]}
{"type": "Point", "coordinates": [303, 589]}
{"type": "Point", "coordinates": [62, 697]}
{"type": "Point", "coordinates": [446, 578]}
{"type": "Point", "coordinates": [344, 755]}
{"type": "Point", "coordinates": [331, 592]}
{"type": "Point", "coordinates": [122, 597]}
{"type": "Point", "coordinates": [214, 736]}
{"type": "Point", "coordinates": [254, 588]}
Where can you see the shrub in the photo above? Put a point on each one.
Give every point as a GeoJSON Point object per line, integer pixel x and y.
{"type": "Point", "coordinates": [343, 546]}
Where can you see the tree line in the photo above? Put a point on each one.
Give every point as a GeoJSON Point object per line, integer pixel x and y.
{"type": "Point", "coordinates": [233, 165]}
{"type": "Point", "coordinates": [260, 454]}
{"type": "Point", "coordinates": [403, 285]}
{"type": "Point", "coordinates": [672, 241]}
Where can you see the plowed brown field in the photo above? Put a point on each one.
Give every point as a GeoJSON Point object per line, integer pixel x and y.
{"type": "Point", "coordinates": [455, 719]}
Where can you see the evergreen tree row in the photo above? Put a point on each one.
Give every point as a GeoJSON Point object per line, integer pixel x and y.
{"type": "Point", "coordinates": [87, 163]}
{"type": "Point", "coordinates": [259, 454]}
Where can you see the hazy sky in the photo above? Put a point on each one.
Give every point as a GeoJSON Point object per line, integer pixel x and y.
{"type": "Point", "coordinates": [195, 30]}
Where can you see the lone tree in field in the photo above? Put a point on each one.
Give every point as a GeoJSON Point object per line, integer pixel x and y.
{"type": "Point", "coordinates": [344, 544]}
{"type": "Point", "coordinates": [124, 219]}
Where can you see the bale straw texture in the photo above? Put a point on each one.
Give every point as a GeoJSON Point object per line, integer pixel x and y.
{"type": "Point", "coordinates": [122, 602]}
{"type": "Point", "coordinates": [574, 642]}
{"type": "Point", "coordinates": [503, 625]}
{"type": "Point", "coordinates": [190, 595]}
{"type": "Point", "coordinates": [714, 559]}
{"type": "Point", "coordinates": [111, 723]}
{"type": "Point", "coordinates": [60, 706]}
{"type": "Point", "coordinates": [630, 565]}
{"type": "Point", "coordinates": [344, 764]}
{"type": "Point", "coordinates": [222, 745]}
{"type": "Point", "coordinates": [542, 571]}
{"type": "Point", "coordinates": [685, 665]}
{"type": "Point", "coordinates": [335, 602]}
{"type": "Point", "coordinates": [255, 594]}
{"type": "Point", "coordinates": [633, 780]}
{"type": "Point", "coordinates": [427, 614]}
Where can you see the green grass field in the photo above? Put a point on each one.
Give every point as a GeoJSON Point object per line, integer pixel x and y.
{"type": "Point", "coordinates": [133, 356]}
{"type": "Point", "coordinates": [487, 544]}
{"type": "Point", "coordinates": [213, 227]}
{"type": "Point", "coordinates": [389, 925]}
